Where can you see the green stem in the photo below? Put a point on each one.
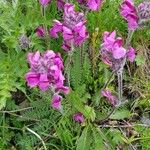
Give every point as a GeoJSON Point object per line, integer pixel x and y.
{"type": "Point", "coordinates": [45, 27]}
{"type": "Point", "coordinates": [38, 136]}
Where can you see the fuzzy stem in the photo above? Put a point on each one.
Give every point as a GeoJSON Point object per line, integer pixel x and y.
{"type": "Point", "coordinates": [120, 80]}
{"type": "Point", "coordinates": [69, 63]}
{"type": "Point", "coordinates": [120, 71]}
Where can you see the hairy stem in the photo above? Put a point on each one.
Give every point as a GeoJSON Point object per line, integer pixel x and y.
{"type": "Point", "coordinates": [120, 71]}
{"type": "Point", "coordinates": [120, 88]}
{"type": "Point", "coordinates": [68, 67]}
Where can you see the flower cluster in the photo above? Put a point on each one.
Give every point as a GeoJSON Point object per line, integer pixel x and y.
{"type": "Point", "coordinates": [129, 12]}
{"type": "Point", "coordinates": [73, 28]}
{"type": "Point", "coordinates": [91, 4]}
{"type": "Point", "coordinates": [46, 73]}
{"type": "Point", "coordinates": [144, 11]}
{"type": "Point", "coordinates": [135, 15]}
{"type": "Point", "coordinates": [113, 100]}
{"type": "Point", "coordinates": [113, 52]}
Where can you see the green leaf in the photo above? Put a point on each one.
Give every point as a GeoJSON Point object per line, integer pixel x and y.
{"type": "Point", "coordinates": [89, 113]}
{"type": "Point", "coordinates": [83, 143]}
{"type": "Point", "coordinates": [140, 60]}
{"type": "Point", "coordinates": [121, 114]}
{"type": "Point", "coordinates": [98, 140]}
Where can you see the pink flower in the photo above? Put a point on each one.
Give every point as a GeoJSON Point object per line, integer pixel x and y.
{"type": "Point", "coordinates": [44, 2]}
{"type": "Point", "coordinates": [32, 78]}
{"type": "Point", "coordinates": [78, 117]}
{"type": "Point", "coordinates": [60, 4]}
{"type": "Point", "coordinates": [111, 98]}
{"type": "Point", "coordinates": [73, 28]}
{"type": "Point", "coordinates": [40, 31]}
{"type": "Point", "coordinates": [131, 54]}
{"type": "Point", "coordinates": [56, 102]}
{"type": "Point", "coordinates": [128, 11]}
{"type": "Point", "coordinates": [77, 35]}
{"type": "Point", "coordinates": [112, 51]}
{"type": "Point", "coordinates": [92, 4]}
{"type": "Point", "coordinates": [143, 11]}
{"type": "Point", "coordinates": [56, 29]}
{"type": "Point", "coordinates": [46, 71]}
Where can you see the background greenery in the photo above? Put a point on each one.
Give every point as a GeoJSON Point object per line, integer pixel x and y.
{"type": "Point", "coordinates": [23, 108]}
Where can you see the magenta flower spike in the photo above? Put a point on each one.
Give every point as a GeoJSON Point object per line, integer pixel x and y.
{"type": "Point", "coordinates": [78, 117]}
{"type": "Point", "coordinates": [46, 71]}
{"type": "Point", "coordinates": [129, 12]}
{"type": "Point", "coordinates": [112, 50]}
{"type": "Point", "coordinates": [143, 10]}
{"type": "Point", "coordinates": [135, 16]}
{"type": "Point", "coordinates": [111, 98]}
{"type": "Point", "coordinates": [73, 28]}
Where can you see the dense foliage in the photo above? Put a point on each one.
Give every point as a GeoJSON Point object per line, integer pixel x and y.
{"type": "Point", "coordinates": [88, 98]}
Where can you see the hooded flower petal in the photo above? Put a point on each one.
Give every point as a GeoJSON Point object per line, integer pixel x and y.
{"type": "Point", "coordinates": [109, 40]}
{"type": "Point", "coordinates": [131, 54]}
{"type": "Point", "coordinates": [40, 31]}
{"type": "Point", "coordinates": [43, 82]}
{"type": "Point", "coordinates": [119, 52]}
{"type": "Point", "coordinates": [66, 47]}
{"type": "Point", "coordinates": [56, 29]}
{"type": "Point", "coordinates": [94, 4]}
{"type": "Point", "coordinates": [78, 117]}
{"type": "Point", "coordinates": [60, 4]}
{"type": "Point", "coordinates": [32, 79]}
{"type": "Point", "coordinates": [33, 58]}
{"type": "Point", "coordinates": [56, 102]}
{"type": "Point", "coordinates": [67, 34]}
{"type": "Point", "coordinates": [111, 98]}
